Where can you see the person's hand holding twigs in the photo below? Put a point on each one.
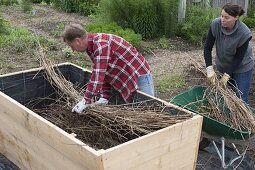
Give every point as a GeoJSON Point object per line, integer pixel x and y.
{"type": "Point", "coordinates": [224, 79]}
{"type": "Point", "coordinates": [211, 75]}
{"type": "Point", "coordinates": [79, 107]}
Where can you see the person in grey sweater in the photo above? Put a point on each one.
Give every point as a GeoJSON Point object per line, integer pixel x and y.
{"type": "Point", "coordinates": [234, 58]}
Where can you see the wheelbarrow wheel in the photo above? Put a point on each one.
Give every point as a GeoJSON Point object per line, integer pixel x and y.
{"type": "Point", "coordinates": [204, 143]}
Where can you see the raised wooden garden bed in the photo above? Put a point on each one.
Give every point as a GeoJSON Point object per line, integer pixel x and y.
{"type": "Point", "coordinates": [32, 142]}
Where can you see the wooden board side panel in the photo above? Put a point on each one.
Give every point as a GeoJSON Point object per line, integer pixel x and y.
{"type": "Point", "coordinates": [27, 132]}
{"type": "Point", "coordinates": [32, 153]}
{"type": "Point", "coordinates": [157, 149]}
{"type": "Point", "coordinates": [168, 162]}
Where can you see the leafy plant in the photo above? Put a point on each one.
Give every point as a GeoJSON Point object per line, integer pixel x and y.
{"type": "Point", "coordinates": [47, 43]}
{"type": "Point", "coordinates": [58, 31]}
{"type": "Point", "coordinates": [84, 7]}
{"type": "Point", "coordinates": [7, 65]}
{"type": "Point", "coordinates": [249, 21]}
{"type": "Point", "coordinates": [164, 42]}
{"type": "Point", "coordinates": [68, 52]}
{"type": "Point", "coordinates": [149, 18]}
{"type": "Point", "coordinates": [88, 7]}
{"type": "Point", "coordinates": [196, 25]}
{"type": "Point", "coordinates": [251, 12]}
{"type": "Point", "coordinates": [113, 28]}
{"type": "Point", "coordinates": [170, 82]}
{"type": "Point", "coordinates": [41, 1]}
{"type": "Point", "coordinates": [18, 39]}
{"type": "Point", "coordinates": [26, 5]}
{"type": "Point", "coordinates": [3, 26]}
{"type": "Point", "coordinates": [36, 1]}
{"type": "Point", "coordinates": [8, 2]}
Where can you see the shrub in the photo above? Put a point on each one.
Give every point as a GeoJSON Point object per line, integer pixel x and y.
{"type": "Point", "coordinates": [84, 7]}
{"type": "Point", "coordinates": [251, 12]}
{"type": "Point", "coordinates": [36, 1]}
{"type": "Point", "coordinates": [26, 5]}
{"type": "Point", "coordinates": [41, 1]}
{"type": "Point", "coordinates": [18, 39]}
{"type": "Point", "coordinates": [249, 21]}
{"type": "Point", "coordinates": [197, 23]}
{"type": "Point", "coordinates": [88, 7]}
{"type": "Point", "coordinates": [149, 18]}
{"type": "Point", "coordinates": [113, 28]}
{"type": "Point", "coordinates": [170, 82]}
{"type": "Point", "coordinates": [8, 2]}
{"type": "Point", "coordinates": [164, 43]}
{"type": "Point", "coordinates": [65, 5]}
{"type": "Point", "coordinates": [3, 26]}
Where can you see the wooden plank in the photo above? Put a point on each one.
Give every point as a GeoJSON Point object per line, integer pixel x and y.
{"type": "Point", "coordinates": [168, 141]}
{"type": "Point", "coordinates": [24, 128]}
{"type": "Point", "coordinates": [183, 158]}
{"type": "Point", "coordinates": [31, 153]}
{"type": "Point", "coordinates": [171, 161]}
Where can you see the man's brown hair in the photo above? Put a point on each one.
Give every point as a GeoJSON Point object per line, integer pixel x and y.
{"type": "Point", "coordinates": [73, 31]}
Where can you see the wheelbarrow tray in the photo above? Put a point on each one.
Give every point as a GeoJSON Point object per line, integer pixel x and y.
{"type": "Point", "coordinates": [187, 100]}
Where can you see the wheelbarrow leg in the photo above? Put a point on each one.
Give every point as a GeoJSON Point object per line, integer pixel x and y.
{"type": "Point", "coordinates": [222, 154]}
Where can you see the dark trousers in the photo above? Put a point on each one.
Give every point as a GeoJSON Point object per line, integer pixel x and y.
{"type": "Point", "coordinates": [242, 82]}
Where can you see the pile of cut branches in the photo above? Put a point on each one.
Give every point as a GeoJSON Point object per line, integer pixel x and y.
{"type": "Point", "coordinates": [104, 126]}
{"type": "Point", "coordinates": [224, 105]}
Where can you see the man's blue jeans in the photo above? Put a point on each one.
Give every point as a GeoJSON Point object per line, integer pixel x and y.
{"type": "Point", "coordinates": [145, 84]}
{"type": "Point", "coordinates": [242, 81]}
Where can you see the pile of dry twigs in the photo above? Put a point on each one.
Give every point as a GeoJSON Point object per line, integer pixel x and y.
{"type": "Point", "coordinates": [225, 106]}
{"type": "Point", "coordinates": [103, 126]}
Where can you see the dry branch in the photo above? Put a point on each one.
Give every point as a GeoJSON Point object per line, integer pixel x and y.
{"type": "Point", "coordinates": [224, 104]}
{"type": "Point", "coordinates": [107, 126]}
{"type": "Point", "coordinates": [103, 126]}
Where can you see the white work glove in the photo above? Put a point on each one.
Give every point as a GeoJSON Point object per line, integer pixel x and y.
{"type": "Point", "coordinates": [79, 107]}
{"type": "Point", "coordinates": [211, 75]}
{"type": "Point", "coordinates": [224, 79]}
{"type": "Point", "coordinates": [101, 101]}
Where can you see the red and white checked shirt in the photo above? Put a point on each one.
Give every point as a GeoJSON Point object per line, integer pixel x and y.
{"type": "Point", "coordinates": [116, 63]}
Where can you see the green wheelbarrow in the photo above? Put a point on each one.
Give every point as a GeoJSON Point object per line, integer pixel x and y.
{"type": "Point", "coordinates": [189, 100]}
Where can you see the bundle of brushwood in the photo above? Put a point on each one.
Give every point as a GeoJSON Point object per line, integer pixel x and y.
{"type": "Point", "coordinates": [103, 126]}
{"type": "Point", "coordinates": [65, 88]}
{"type": "Point", "coordinates": [224, 105]}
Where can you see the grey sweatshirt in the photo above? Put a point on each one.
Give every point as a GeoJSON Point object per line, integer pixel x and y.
{"type": "Point", "coordinates": [227, 43]}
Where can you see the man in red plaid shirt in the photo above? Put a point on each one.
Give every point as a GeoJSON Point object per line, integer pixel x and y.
{"type": "Point", "coordinates": [115, 63]}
